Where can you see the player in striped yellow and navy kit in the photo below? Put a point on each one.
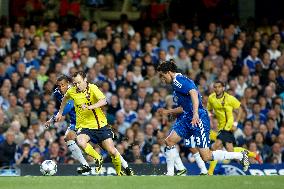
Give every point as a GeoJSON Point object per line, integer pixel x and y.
{"type": "Point", "coordinates": [223, 105]}
{"type": "Point", "coordinates": [91, 122]}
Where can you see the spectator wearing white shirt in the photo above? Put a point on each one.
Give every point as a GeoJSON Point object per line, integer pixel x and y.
{"type": "Point", "coordinates": [273, 50]}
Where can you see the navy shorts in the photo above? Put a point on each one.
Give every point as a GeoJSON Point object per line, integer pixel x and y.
{"type": "Point", "coordinates": [226, 137]}
{"type": "Point", "coordinates": [97, 136]}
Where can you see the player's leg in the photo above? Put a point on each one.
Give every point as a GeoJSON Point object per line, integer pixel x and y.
{"type": "Point", "coordinates": [181, 170]}
{"type": "Point", "coordinates": [104, 136]}
{"type": "Point", "coordinates": [108, 145]}
{"type": "Point", "coordinates": [124, 164]}
{"type": "Point", "coordinates": [250, 154]}
{"type": "Point", "coordinates": [70, 137]}
{"type": "Point", "coordinates": [171, 152]}
{"type": "Point", "coordinates": [216, 145]}
{"type": "Point", "coordinates": [128, 170]}
{"type": "Point", "coordinates": [200, 163]}
{"type": "Point", "coordinates": [83, 141]}
{"type": "Point", "coordinates": [203, 142]}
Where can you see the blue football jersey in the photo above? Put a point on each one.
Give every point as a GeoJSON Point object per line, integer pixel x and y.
{"type": "Point", "coordinates": [69, 107]}
{"type": "Point", "coordinates": [181, 97]}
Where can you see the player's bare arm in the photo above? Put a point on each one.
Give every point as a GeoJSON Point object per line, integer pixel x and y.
{"type": "Point", "coordinates": [195, 103]}
{"type": "Point", "coordinates": [238, 113]}
{"type": "Point", "coordinates": [166, 112]}
{"type": "Point", "coordinates": [100, 103]}
{"type": "Point", "coordinates": [59, 116]}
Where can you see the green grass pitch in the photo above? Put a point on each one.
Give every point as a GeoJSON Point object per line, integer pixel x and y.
{"type": "Point", "coordinates": [142, 182]}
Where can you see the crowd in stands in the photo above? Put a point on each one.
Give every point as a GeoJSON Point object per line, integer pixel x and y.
{"type": "Point", "coordinates": [121, 60]}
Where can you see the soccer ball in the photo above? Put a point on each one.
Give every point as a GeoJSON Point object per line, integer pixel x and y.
{"type": "Point", "coordinates": [48, 168]}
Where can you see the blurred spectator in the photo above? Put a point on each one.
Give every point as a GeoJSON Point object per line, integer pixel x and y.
{"type": "Point", "coordinates": [8, 150]}
{"type": "Point", "coordinates": [277, 155]}
{"type": "Point", "coordinates": [156, 152]}
{"type": "Point", "coordinates": [23, 155]}
{"type": "Point", "coordinates": [136, 155]}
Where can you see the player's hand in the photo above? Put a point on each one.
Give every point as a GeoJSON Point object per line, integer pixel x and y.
{"type": "Point", "coordinates": [47, 124]}
{"type": "Point", "coordinates": [162, 111]}
{"type": "Point", "coordinates": [58, 117]}
{"type": "Point", "coordinates": [91, 107]}
{"type": "Point", "coordinates": [84, 106]}
{"type": "Point", "coordinates": [195, 119]}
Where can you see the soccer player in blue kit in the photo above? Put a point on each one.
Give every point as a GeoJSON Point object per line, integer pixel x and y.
{"type": "Point", "coordinates": [63, 83]}
{"type": "Point", "coordinates": [178, 112]}
{"type": "Point", "coordinates": [194, 121]}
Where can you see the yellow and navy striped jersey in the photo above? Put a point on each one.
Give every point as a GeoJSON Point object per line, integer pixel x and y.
{"type": "Point", "coordinates": [223, 109]}
{"type": "Point", "coordinates": [91, 119]}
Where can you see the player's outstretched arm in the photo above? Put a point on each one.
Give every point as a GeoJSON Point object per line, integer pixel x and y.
{"type": "Point", "coordinates": [166, 112]}
{"type": "Point", "coordinates": [58, 116]}
{"type": "Point", "coordinates": [100, 103]}
{"type": "Point", "coordinates": [48, 123]}
{"type": "Point", "coordinates": [195, 103]}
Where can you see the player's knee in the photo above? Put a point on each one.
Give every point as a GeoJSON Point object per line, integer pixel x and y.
{"type": "Point", "coordinates": [169, 142]}
{"type": "Point", "coordinates": [81, 142]}
{"type": "Point", "coordinates": [70, 136]}
{"type": "Point", "coordinates": [193, 150]}
{"type": "Point", "coordinates": [205, 157]}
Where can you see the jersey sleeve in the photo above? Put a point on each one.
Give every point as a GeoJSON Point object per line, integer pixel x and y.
{"type": "Point", "coordinates": [97, 93]}
{"type": "Point", "coordinates": [68, 107]}
{"type": "Point", "coordinates": [183, 85]}
{"type": "Point", "coordinates": [235, 103]}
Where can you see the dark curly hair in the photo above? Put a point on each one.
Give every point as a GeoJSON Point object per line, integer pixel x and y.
{"type": "Point", "coordinates": [63, 77]}
{"type": "Point", "coordinates": [166, 66]}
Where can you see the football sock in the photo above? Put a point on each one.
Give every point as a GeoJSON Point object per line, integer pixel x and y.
{"type": "Point", "coordinates": [76, 152]}
{"type": "Point", "coordinates": [178, 163]}
{"type": "Point", "coordinates": [212, 167]}
{"type": "Point", "coordinates": [220, 155]}
{"type": "Point", "coordinates": [170, 154]}
{"type": "Point", "coordinates": [117, 163]}
{"type": "Point", "coordinates": [200, 163]}
{"type": "Point", "coordinates": [240, 149]}
{"type": "Point", "coordinates": [92, 152]}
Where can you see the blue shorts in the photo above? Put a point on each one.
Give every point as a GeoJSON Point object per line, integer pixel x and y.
{"type": "Point", "coordinates": [97, 136]}
{"type": "Point", "coordinates": [198, 135]}
{"type": "Point", "coordinates": [189, 142]}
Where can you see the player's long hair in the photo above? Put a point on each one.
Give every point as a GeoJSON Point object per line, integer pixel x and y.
{"type": "Point", "coordinates": [166, 66]}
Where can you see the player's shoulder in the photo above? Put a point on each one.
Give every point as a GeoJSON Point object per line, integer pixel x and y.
{"type": "Point", "coordinates": [231, 97]}
{"type": "Point", "coordinates": [93, 86]}
{"type": "Point", "coordinates": [71, 90]}
{"type": "Point", "coordinates": [181, 80]}
{"type": "Point", "coordinates": [56, 91]}
{"type": "Point", "coordinates": [212, 96]}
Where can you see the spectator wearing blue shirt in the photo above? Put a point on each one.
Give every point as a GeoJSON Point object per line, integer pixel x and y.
{"type": "Point", "coordinates": [170, 40]}
{"type": "Point", "coordinates": [257, 115]}
{"type": "Point", "coordinates": [252, 60]}
{"type": "Point", "coordinates": [156, 151]}
{"type": "Point", "coordinates": [85, 33]}
{"type": "Point", "coordinates": [129, 115]}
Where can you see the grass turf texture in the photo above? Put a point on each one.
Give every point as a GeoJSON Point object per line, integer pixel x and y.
{"type": "Point", "coordinates": [142, 182]}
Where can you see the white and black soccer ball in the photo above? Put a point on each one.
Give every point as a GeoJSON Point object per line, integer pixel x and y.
{"type": "Point", "coordinates": [48, 168]}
